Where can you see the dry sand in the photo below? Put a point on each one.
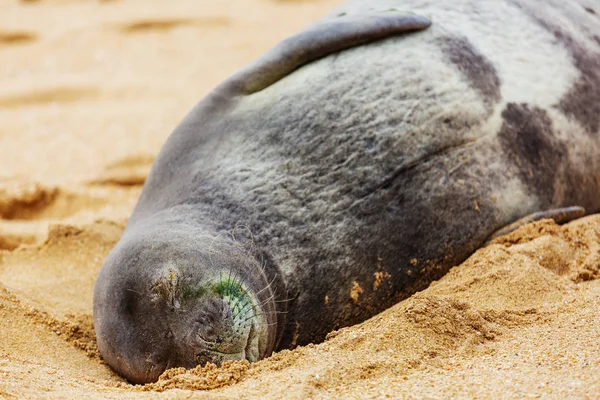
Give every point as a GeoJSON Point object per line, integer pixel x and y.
{"type": "Point", "coordinates": [89, 90]}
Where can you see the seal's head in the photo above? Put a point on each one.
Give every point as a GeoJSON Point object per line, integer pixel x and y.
{"type": "Point", "coordinates": [175, 298]}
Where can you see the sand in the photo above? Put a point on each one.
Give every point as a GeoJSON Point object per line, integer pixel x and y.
{"type": "Point", "coordinates": [89, 91]}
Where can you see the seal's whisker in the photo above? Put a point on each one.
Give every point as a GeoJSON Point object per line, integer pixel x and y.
{"type": "Point", "coordinates": [248, 230]}
{"type": "Point", "coordinates": [221, 280]}
{"type": "Point", "coordinates": [245, 307]}
{"type": "Point", "coordinates": [210, 250]}
{"type": "Point", "coordinates": [266, 301]}
{"type": "Point", "coordinates": [275, 313]}
{"type": "Point", "coordinates": [237, 301]}
{"type": "Point", "coordinates": [269, 324]}
{"type": "Point", "coordinates": [266, 287]}
{"type": "Point", "coordinates": [263, 314]}
{"type": "Point", "coordinates": [249, 303]}
{"type": "Point", "coordinates": [228, 280]}
{"type": "Point", "coordinates": [249, 271]}
{"type": "Point", "coordinates": [238, 282]}
{"type": "Point", "coordinates": [253, 307]}
{"type": "Point", "coordinates": [284, 300]}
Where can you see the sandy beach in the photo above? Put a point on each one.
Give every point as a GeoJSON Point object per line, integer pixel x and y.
{"type": "Point", "coordinates": [89, 92]}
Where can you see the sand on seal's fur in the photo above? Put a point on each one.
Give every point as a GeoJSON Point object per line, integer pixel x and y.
{"type": "Point", "coordinates": [87, 101]}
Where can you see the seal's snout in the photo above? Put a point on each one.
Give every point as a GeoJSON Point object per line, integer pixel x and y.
{"type": "Point", "coordinates": [226, 327]}
{"type": "Point", "coordinates": [163, 303]}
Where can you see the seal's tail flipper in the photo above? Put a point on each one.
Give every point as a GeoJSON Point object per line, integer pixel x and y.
{"type": "Point", "coordinates": [321, 39]}
{"type": "Point", "coordinates": [559, 215]}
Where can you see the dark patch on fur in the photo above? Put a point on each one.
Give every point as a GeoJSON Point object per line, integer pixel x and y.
{"type": "Point", "coordinates": [582, 102]}
{"type": "Point", "coordinates": [528, 140]}
{"type": "Point", "coordinates": [474, 65]}
{"type": "Point", "coordinates": [590, 10]}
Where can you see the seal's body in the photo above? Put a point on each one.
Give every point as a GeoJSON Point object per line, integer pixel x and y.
{"type": "Point", "coordinates": [348, 168]}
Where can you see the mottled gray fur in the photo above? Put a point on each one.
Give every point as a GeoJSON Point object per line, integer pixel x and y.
{"type": "Point", "coordinates": [390, 161]}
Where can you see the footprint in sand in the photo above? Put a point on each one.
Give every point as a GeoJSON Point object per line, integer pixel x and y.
{"type": "Point", "coordinates": [10, 239]}
{"type": "Point", "coordinates": [57, 276]}
{"type": "Point", "coordinates": [165, 25]}
{"type": "Point", "coordinates": [32, 201]}
{"type": "Point", "coordinates": [16, 38]}
{"type": "Point", "coordinates": [25, 209]}
{"type": "Point", "coordinates": [24, 201]}
{"type": "Point", "coordinates": [129, 171]}
{"type": "Point", "coordinates": [77, 330]}
{"type": "Point", "coordinates": [45, 96]}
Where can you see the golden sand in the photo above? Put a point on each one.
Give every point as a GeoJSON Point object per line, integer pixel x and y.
{"type": "Point", "coordinates": [89, 91]}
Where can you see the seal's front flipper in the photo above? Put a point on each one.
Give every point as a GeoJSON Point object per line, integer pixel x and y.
{"type": "Point", "coordinates": [317, 41]}
{"type": "Point", "coordinates": [559, 215]}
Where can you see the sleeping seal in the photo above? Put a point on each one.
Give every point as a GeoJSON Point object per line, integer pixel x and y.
{"type": "Point", "coordinates": [347, 168]}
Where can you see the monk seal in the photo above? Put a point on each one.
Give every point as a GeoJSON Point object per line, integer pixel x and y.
{"type": "Point", "coordinates": [348, 168]}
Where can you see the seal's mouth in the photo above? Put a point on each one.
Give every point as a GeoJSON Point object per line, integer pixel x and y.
{"type": "Point", "coordinates": [250, 350]}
